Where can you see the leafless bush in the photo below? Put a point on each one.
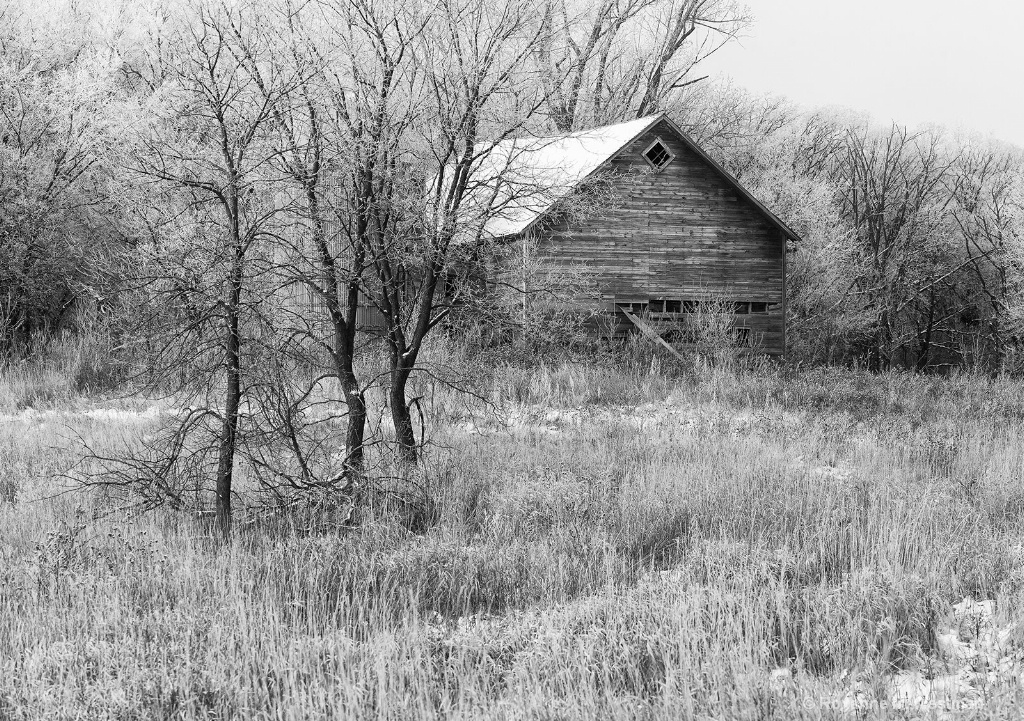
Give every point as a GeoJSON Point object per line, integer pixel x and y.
{"type": "Point", "coordinates": [709, 333]}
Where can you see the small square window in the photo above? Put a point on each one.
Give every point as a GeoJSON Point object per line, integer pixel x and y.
{"type": "Point", "coordinates": [658, 155]}
{"type": "Point", "coordinates": [673, 306]}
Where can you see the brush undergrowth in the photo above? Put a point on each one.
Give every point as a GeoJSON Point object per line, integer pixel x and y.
{"type": "Point", "coordinates": [634, 546]}
{"type": "Point", "coordinates": [62, 369]}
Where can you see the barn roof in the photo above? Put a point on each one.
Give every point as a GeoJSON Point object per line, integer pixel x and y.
{"type": "Point", "coordinates": [530, 175]}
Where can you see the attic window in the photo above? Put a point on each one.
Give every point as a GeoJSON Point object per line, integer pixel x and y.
{"type": "Point", "coordinates": [658, 155]}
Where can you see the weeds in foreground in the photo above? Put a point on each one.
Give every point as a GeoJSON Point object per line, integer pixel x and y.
{"type": "Point", "coordinates": [66, 367]}
{"type": "Point", "coordinates": [661, 551]}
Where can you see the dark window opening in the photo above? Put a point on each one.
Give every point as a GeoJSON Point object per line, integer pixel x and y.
{"type": "Point", "coordinates": [658, 155]}
{"type": "Point", "coordinates": [742, 336]}
{"type": "Point", "coordinates": [634, 308]}
{"type": "Point", "coordinates": [677, 306]}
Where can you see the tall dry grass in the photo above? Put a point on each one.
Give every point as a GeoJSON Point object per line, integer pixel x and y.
{"type": "Point", "coordinates": [606, 544]}
{"type": "Point", "coordinates": [60, 370]}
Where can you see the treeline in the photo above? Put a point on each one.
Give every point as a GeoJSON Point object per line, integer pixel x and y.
{"type": "Point", "coordinates": [911, 251]}
{"type": "Point", "coordinates": [910, 255]}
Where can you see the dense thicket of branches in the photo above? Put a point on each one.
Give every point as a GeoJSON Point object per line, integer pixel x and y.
{"type": "Point", "coordinates": [912, 239]}
{"type": "Point", "coordinates": [249, 177]}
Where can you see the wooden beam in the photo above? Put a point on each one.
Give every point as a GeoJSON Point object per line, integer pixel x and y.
{"type": "Point", "coordinates": [651, 334]}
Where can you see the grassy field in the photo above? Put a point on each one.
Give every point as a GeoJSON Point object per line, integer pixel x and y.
{"type": "Point", "coordinates": [606, 544]}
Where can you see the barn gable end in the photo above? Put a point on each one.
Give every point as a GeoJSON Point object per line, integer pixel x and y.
{"type": "Point", "coordinates": [680, 234]}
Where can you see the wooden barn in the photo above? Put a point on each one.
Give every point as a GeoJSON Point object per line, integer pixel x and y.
{"type": "Point", "coordinates": [680, 232]}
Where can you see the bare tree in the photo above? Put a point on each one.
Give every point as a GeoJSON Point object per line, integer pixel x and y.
{"type": "Point", "coordinates": [476, 93]}
{"type": "Point", "coordinates": [320, 129]}
{"type": "Point", "coordinates": [986, 205]}
{"type": "Point", "coordinates": [893, 201]}
{"type": "Point", "coordinates": [601, 62]}
{"type": "Point", "coordinates": [208, 149]}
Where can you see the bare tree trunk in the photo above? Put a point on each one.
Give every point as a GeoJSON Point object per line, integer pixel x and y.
{"type": "Point", "coordinates": [400, 411]}
{"type": "Point", "coordinates": [343, 325]}
{"type": "Point", "coordinates": [878, 358]}
{"type": "Point", "coordinates": [356, 433]}
{"type": "Point", "coordinates": [925, 350]}
{"type": "Point", "coordinates": [345, 337]}
{"type": "Point", "coordinates": [998, 356]}
{"type": "Point", "coordinates": [404, 355]}
{"type": "Point", "coordinates": [232, 362]}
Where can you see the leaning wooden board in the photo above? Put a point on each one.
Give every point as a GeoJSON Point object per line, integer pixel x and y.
{"type": "Point", "coordinates": [652, 334]}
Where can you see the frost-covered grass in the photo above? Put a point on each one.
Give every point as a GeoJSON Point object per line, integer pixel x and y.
{"type": "Point", "coordinates": [62, 369]}
{"type": "Point", "coordinates": [608, 544]}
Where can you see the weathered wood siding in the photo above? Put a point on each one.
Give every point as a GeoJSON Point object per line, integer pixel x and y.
{"type": "Point", "coordinates": [679, 233]}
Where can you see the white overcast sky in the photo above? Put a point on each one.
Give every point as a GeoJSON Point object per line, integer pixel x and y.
{"type": "Point", "coordinates": [913, 61]}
